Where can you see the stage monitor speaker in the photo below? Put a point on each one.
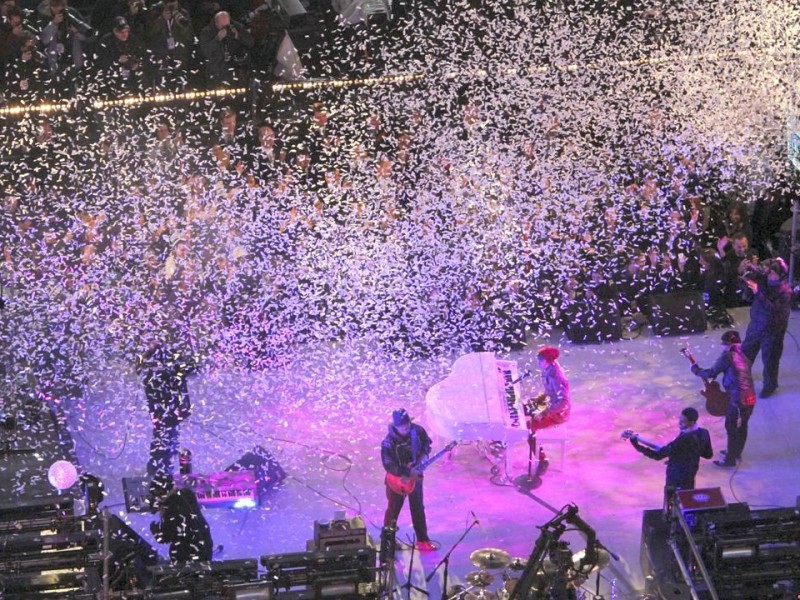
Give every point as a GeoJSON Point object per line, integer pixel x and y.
{"type": "Point", "coordinates": [677, 313]}
{"type": "Point", "coordinates": [265, 466]}
{"type": "Point", "coordinates": [137, 494]}
{"type": "Point", "coordinates": [593, 322]}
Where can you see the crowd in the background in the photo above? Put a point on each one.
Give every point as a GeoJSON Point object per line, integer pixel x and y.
{"type": "Point", "coordinates": [254, 236]}
{"type": "Point", "coordinates": [52, 51]}
{"type": "Point", "coordinates": [440, 215]}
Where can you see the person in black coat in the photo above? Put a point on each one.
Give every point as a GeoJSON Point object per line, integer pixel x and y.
{"type": "Point", "coordinates": [225, 45]}
{"type": "Point", "coordinates": [769, 318]}
{"type": "Point", "coordinates": [405, 446]}
{"type": "Point", "coordinates": [683, 454]}
{"type": "Point", "coordinates": [119, 59]}
{"type": "Point", "coordinates": [164, 374]}
{"type": "Point", "coordinates": [182, 524]}
{"type": "Point", "coordinates": [737, 379]}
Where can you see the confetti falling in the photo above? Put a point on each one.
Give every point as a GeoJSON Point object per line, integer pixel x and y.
{"type": "Point", "coordinates": [430, 218]}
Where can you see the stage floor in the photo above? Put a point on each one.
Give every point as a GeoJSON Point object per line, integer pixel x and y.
{"type": "Point", "coordinates": [324, 415]}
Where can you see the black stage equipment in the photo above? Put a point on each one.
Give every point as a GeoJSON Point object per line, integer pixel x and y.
{"type": "Point", "coordinates": [677, 313]}
{"type": "Point", "coordinates": [204, 580]}
{"type": "Point", "coordinates": [344, 574]}
{"type": "Point", "coordinates": [593, 322]}
{"type": "Point", "coordinates": [732, 552]}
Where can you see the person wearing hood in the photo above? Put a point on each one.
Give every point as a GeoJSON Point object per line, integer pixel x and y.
{"type": "Point", "coordinates": [405, 447]}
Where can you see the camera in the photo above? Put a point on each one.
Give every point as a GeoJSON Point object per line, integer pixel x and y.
{"type": "Point", "coordinates": [754, 273]}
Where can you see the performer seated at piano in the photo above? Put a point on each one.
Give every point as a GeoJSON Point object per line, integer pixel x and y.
{"type": "Point", "coordinates": [182, 524]}
{"type": "Point", "coordinates": [406, 446]}
{"type": "Point", "coordinates": [551, 407]}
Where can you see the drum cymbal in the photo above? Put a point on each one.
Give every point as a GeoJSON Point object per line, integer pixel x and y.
{"type": "Point", "coordinates": [518, 563]}
{"type": "Point", "coordinates": [490, 558]}
{"type": "Point", "coordinates": [482, 595]}
{"type": "Point", "coordinates": [479, 578]}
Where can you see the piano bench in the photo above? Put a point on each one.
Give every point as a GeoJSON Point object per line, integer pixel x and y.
{"type": "Point", "coordinates": [548, 437]}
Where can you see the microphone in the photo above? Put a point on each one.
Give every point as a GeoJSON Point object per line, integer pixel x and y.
{"type": "Point", "coordinates": [525, 374]}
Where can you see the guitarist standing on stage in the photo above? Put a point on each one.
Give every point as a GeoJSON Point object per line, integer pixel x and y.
{"type": "Point", "coordinates": [405, 446]}
{"type": "Point", "coordinates": [737, 379]}
{"type": "Point", "coordinates": [683, 453]}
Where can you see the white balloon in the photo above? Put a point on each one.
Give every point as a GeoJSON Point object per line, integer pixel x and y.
{"type": "Point", "coordinates": [62, 474]}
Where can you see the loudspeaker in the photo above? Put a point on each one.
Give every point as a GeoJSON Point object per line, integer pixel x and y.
{"type": "Point", "coordinates": [676, 313]}
{"type": "Point", "coordinates": [265, 466]}
{"type": "Point", "coordinates": [593, 322]}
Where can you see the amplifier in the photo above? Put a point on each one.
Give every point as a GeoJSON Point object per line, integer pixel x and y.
{"type": "Point", "coordinates": [340, 533]}
{"type": "Point", "coordinates": [322, 569]}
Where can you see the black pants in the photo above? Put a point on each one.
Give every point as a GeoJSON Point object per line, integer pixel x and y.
{"type": "Point", "coordinates": [415, 501]}
{"type": "Point", "coordinates": [771, 345]}
{"type": "Point", "coordinates": [736, 420]}
{"type": "Point", "coordinates": [163, 449]}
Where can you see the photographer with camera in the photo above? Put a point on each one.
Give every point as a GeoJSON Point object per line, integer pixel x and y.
{"type": "Point", "coordinates": [119, 59]}
{"type": "Point", "coordinates": [171, 40]}
{"type": "Point", "coordinates": [771, 294]}
{"type": "Point", "coordinates": [64, 37]}
{"type": "Point", "coordinates": [226, 45]}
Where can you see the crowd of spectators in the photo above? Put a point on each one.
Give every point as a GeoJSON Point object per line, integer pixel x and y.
{"type": "Point", "coordinates": [437, 215]}
{"type": "Point", "coordinates": [51, 51]}
{"type": "Point", "coordinates": [254, 235]}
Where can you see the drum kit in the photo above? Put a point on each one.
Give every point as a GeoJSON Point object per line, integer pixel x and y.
{"type": "Point", "coordinates": [488, 559]}
{"type": "Point", "coordinates": [494, 559]}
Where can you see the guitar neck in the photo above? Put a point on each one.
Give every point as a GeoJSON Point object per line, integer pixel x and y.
{"type": "Point", "coordinates": [629, 434]}
{"type": "Point", "coordinates": [437, 456]}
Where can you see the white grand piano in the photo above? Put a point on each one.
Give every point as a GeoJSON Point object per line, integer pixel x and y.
{"type": "Point", "coordinates": [478, 401]}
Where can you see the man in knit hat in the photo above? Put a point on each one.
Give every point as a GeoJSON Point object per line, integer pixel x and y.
{"type": "Point", "coordinates": [404, 448]}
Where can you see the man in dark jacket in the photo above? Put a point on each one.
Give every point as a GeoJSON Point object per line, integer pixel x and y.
{"type": "Point", "coordinates": [182, 524]}
{"type": "Point", "coordinates": [226, 45]}
{"type": "Point", "coordinates": [737, 379]}
{"type": "Point", "coordinates": [119, 59]}
{"type": "Point", "coordinates": [683, 453]}
{"type": "Point", "coordinates": [405, 446]}
{"type": "Point", "coordinates": [769, 319]}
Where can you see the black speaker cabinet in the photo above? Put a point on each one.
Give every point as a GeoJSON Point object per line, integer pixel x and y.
{"type": "Point", "coordinates": [593, 322]}
{"type": "Point", "coordinates": [677, 313]}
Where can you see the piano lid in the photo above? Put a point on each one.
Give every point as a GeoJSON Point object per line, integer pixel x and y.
{"type": "Point", "coordinates": [476, 401]}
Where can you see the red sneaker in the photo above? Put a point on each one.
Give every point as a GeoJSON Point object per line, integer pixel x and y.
{"type": "Point", "coordinates": [425, 547]}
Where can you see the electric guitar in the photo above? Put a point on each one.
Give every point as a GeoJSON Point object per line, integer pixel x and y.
{"type": "Point", "coordinates": [716, 398]}
{"type": "Point", "coordinates": [405, 485]}
{"type": "Point", "coordinates": [630, 434]}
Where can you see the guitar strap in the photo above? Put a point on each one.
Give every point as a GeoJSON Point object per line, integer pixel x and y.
{"type": "Point", "coordinates": [414, 445]}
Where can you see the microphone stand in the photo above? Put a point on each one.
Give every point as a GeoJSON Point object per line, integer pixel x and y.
{"type": "Point", "coordinates": [446, 560]}
{"type": "Point", "coordinates": [408, 586]}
